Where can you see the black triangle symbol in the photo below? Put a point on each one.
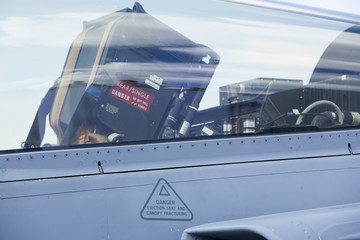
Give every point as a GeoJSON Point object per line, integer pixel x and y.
{"type": "Point", "coordinates": [164, 192]}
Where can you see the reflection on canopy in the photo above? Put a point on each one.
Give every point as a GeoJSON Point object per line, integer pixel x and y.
{"type": "Point", "coordinates": [129, 77]}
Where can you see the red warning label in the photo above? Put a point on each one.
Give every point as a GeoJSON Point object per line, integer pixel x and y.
{"type": "Point", "coordinates": [132, 95]}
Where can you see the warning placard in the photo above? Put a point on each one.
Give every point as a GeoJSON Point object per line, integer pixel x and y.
{"type": "Point", "coordinates": [132, 95]}
{"type": "Point", "coordinates": [165, 204]}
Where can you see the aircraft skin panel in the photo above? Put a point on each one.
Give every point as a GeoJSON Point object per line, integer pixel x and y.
{"type": "Point", "coordinates": [249, 149]}
{"type": "Point", "coordinates": [109, 211]}
{"type": "Point", "coordinates": [48, 164]}
{"type": "Point", "coordinates": [61, 163]}
{"type": "Point", "coordinates": [355, 148]}
{"type": "Point", "coordinates": [108, 205]}
{"type": "Point", "coordinates": [18, 189]}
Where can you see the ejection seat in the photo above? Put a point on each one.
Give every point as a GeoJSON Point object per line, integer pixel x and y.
{"type": "Point", "coordinates": [127, 77]}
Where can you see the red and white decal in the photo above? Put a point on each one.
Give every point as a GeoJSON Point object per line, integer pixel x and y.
{"type": "Point", "coordinates": [132, 95]}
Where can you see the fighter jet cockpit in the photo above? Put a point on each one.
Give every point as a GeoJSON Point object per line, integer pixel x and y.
{"type": "Point", "coordinates": [139, 76]}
